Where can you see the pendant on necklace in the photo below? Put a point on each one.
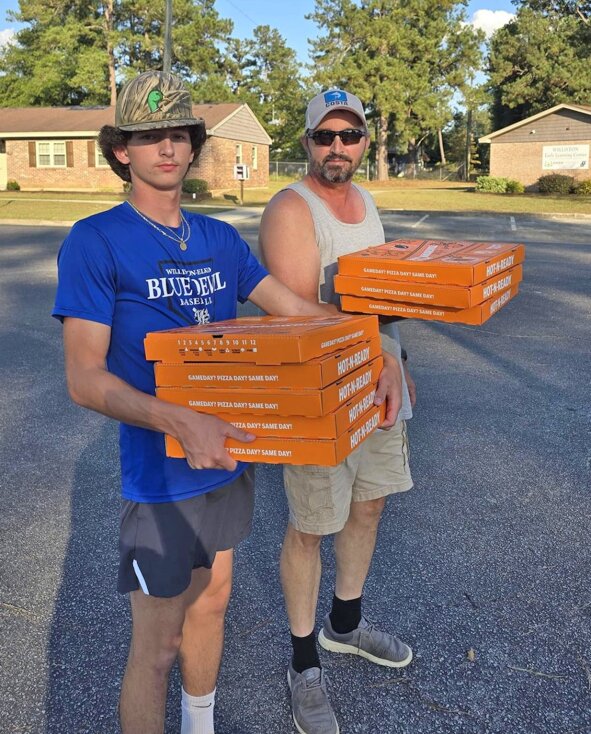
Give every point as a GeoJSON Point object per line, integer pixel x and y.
{"type": "Point", "coordinates": [183, 245]}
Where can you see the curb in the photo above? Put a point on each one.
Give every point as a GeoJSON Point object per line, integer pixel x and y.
{"type": "Point", "coordinates": [477, 213]}
{"type": "Point", "coordinates": [34, 223]}
{"type": "Point", "coordinates": [239, 214]}
{"type": "Point", "coordinates": [229, 215]}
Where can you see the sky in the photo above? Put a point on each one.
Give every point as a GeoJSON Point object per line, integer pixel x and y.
{"type": "Point", "coordinates": [289, 18]}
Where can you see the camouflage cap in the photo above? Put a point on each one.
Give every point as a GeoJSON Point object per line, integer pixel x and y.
{"type": "Point", "coordinates": [154, 99]}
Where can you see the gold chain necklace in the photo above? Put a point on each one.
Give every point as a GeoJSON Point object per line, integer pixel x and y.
{"type": "Point", "coordinates": [185, 228]}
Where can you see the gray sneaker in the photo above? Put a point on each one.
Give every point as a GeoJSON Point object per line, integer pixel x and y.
{"type": "Point", "coordinates": [311, 709]}
{"type": "Point", "coordinates": [379, 647]}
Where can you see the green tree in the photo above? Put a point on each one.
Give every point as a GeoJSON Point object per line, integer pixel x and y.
{"type": "Point", "coordinates": [199, 35]}
{"type": "Point", "coordinates": [72, 51]}
{"type": "Point", "coordinates": [403, 58]}
{"type": "Point", "coordinates": [266, 75]}
{"type": "Point", "coordinates": [60, 56]}
{"type": "Point", "coordinates": [578, 8]}
{"type": "Point", "coordinates": [457, 134]}
{"type": "Point", "coordinates": [538, 60]}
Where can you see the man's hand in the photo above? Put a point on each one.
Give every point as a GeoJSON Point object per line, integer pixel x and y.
{"type": "Point", "coordinates": [410, 383]}
{"type": "Point", "coordinates": [91, 385]}
{"type": "Point", "coordinates": [202, 437]}
{"type": "Point", "coordinates": [389, 389]}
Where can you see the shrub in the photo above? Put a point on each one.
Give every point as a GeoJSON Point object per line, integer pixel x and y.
{"type": "Point", "coordinates": [515, 187]}
{"type": "Point", "coordinates": [555, 183]}
{"type": "Point", "coordinates": [194, 186]}
{"type": "Point", "coordinates": [13, 185]}
{"type": "Point", "coordinates": [126, 187]}
{"type": "Point", "coordinates": [583, 188]}
{"type": "Point", "coordinates": [492, 184]}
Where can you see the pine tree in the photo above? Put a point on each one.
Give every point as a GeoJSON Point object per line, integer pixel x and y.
{"type": "Point", "coordinates": [71, 51]}
{"type": "Point", "coordinates": [538, 60]}
{"type": "Point", "coordinates": [59, 57]}
{"type": "Point", "coordinates": [403, 58]}
{"type": "Point", "coordinates": [268, 78]}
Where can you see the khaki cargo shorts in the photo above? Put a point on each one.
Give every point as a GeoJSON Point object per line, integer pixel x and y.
{"type": "Point", "coordinates": [319, 497]}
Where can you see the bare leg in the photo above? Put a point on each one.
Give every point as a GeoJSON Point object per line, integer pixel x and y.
{"type": "Point", "coordinates": [203, 631]}
{"type": "Point", "coordinates": [354, 547]}
{"type": "Point", "coordinates": [155, 640]}
{"type": "Point", "coordinates": [300, 577]}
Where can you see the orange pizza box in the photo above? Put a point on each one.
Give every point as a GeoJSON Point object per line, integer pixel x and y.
{"type": "Point", "coordinates": [281, 401]}
{"type": "Point", "coordinates": [298, 426]}
{"type": "Point", "coordinates": [317, 372]}
{"type": "Point", "coordinates": [433, 261]}
{"type": "Point", "coordinates": [322, 452]}
{"type": "Point", "coordinates": [455, 296]}
{"type": "Point", "coordinates": [261, 339]}
{"type": "Point", "coordinates": [474, 316]}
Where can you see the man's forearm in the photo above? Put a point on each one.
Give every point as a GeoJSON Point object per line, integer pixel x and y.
{"type": "Point", "coordinates": [103, 392]}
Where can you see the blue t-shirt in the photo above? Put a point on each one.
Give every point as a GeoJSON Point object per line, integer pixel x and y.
{"type": "Point", "coordinates": [116, 269]}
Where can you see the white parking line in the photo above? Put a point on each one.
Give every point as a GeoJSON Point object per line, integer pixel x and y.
{"type": "Point", "coordinates": [513, 225]}
{"type": "Point", "coordinates": [422, 219]}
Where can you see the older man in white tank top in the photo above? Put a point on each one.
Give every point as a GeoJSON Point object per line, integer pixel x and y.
{"type": "Point", "coordinates": [303, 231]}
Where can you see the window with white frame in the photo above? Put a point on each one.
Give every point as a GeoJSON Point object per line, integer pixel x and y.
{"type": "Point", "coordinates": [51, 154]}
{"type": "Point", "coordinates": [255, 158]}
{"type": "Point", "coordinates": [238, 154]}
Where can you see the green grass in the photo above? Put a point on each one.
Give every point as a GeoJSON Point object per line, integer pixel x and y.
{"type": "Point", "coordinates": [69, 207]}
{"type": "Point", "coordinates": [463, 198]}
{"type": "Point", "coordinates": [445, 196]}
{"type": "Point", "coordinates": [396, 194]}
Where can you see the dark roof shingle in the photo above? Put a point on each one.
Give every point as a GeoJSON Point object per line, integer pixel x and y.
{"type": "Point", "coordinates": [88, 119]}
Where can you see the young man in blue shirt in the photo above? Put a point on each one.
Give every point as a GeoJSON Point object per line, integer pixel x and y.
{"type": "Point", "coordinates": [142, 266]}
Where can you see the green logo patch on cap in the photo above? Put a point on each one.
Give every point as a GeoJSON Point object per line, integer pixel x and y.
{"type": "Point", "coordinates": [154, 99]}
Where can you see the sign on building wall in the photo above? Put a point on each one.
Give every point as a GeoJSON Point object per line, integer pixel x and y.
{"type": "Point", "coordinates": [565, 157]}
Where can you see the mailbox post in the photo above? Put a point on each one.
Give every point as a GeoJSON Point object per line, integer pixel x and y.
{"type": "Point", "coordinates": [241, 173]}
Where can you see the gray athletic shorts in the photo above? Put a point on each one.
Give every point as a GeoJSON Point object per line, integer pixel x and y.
{"type": "Point", "coordinates": [160, 544]}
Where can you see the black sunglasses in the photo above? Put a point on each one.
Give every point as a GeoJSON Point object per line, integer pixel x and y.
{"type": "Point", "coordinates": [350, 136]}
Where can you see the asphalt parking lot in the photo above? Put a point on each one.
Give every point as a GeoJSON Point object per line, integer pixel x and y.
{"type": "Point", "coordinates": [484, 567]}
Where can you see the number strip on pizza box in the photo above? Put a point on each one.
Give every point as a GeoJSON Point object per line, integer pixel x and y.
{"type": "Point", "coordinates": [261, 339]}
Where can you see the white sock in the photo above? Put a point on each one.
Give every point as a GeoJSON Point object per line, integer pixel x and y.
{"type": "Point", "coordinates": [197, 713]}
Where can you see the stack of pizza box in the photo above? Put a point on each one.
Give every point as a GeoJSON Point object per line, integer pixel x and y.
{"type": "Point", "coordinates": [304, 387]}
{"type": "Point", "coordinates": [456, 281]}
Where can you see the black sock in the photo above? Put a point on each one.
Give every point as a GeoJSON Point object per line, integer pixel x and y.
{"type": "Point", "coordinates": [345, 615]}
{"type": "Point", "coordinates": [305, 653]}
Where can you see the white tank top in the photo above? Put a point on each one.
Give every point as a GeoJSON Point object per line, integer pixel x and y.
{"type": "Point", "coordinates": [336, 238]}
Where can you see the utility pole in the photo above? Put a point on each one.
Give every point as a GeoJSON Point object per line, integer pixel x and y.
{"type": "Point", "coordinates": [467, 160]}
{"type": "Point", "coordinates": [167, 60]}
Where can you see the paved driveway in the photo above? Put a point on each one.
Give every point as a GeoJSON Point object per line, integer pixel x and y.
{"type": "Point", "coordinates": [485, 567]}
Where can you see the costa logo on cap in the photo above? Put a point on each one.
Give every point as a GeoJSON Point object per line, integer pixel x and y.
{"type": "Point", "coordinates": [337, 96]}
{"type": "Point", "coordinates": [329, 101]}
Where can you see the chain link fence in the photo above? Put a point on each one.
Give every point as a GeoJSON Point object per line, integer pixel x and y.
{"type": "Point", "coordinates": [293, 170]}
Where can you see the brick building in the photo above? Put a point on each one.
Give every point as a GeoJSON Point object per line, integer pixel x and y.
{"type": "Point", "coordinates": [557, 140]}
{"type": "Point", "coordinates": [55, 148]}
